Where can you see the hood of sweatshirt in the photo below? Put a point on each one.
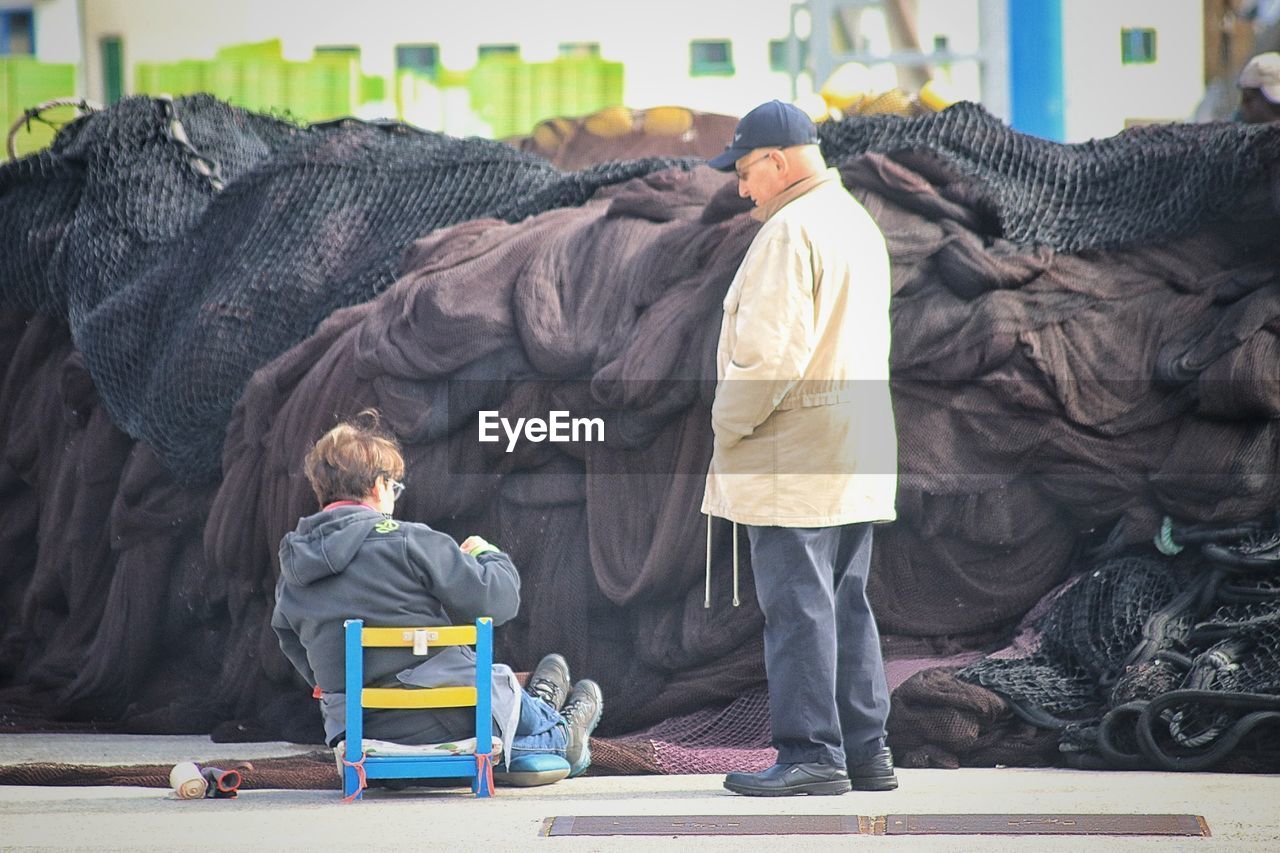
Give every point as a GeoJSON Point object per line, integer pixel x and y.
{"type": "Point", "coordinates": [324, 544]}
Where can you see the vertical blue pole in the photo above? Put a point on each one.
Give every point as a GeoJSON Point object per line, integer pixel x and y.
{"type": "Point", "coordinates": [354, 687]}
{"type": "Point", "coordinates": [1035, 68]}
{"type": "Point", "coordinates": [484, 698]}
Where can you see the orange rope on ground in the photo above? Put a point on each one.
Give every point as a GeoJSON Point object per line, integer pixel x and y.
{"type": "Point", "coordinates": [362, 781]}
{"type": "Point", "coordinates": [484, 768]}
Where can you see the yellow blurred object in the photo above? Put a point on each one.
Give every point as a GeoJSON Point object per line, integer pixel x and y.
{"type": "Point", "coordinates": [667, 121]}
{"type": "Point", "coordinates": [847, 87]}
{"type": "Point", "coordinates": [550, 134]}
{"type": "Point", "coordinates": [854, 107]}
{"type": "Point", "coordinates": [932, 97]}
{"type": "Point", "coordinates": [892, 102]}
{"type": "Point", "coordinates": [610, 122]}
{"type": "Point", "coordinates": [814, 106]}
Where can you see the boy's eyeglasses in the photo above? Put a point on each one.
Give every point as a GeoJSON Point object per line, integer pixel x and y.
{"type": "Point", "coordinates": [397, 488]}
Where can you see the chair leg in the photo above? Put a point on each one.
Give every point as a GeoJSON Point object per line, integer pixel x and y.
{"type": "Point", "coordinates": [350, 783]}
{"type": "Point", "coordinates": [482, 784]}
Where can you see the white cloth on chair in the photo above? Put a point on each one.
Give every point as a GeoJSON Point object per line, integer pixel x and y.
{"type": "Point", "coordinates": [454, 666]}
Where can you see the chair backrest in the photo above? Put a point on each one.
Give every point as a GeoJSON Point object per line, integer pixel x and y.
{"type": "Point", "coordinates": [359, 697]}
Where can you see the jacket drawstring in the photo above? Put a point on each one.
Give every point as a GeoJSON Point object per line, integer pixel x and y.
{"type": "Point", "coordinates": [706, 599]}
{"type": "Point", "coordinates": [735, 564]}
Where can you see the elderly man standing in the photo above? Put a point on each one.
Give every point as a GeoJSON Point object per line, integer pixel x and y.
{"type": "Point", "coordinates": [805, 452]}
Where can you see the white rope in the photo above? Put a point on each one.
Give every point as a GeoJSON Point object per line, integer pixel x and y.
{"type": "Point", "coordinates": [83, 105]}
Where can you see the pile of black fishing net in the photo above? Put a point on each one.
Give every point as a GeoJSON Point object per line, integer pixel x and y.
{"type": "Point", "coordinates": [1085, 343]}
{"type": "Point", "coordinates": [1158, 662]}
{"type": "Point", "coordinates": [188, 242]}
{"type": "Point", "coordinates": [1149, 183]}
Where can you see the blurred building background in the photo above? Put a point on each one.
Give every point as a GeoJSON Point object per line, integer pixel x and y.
{"type": "Point", "coordinates": [1064, 70]}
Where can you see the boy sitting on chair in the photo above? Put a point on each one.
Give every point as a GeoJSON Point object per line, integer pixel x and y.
{"type": "Point", "coordinates": [351, 560]}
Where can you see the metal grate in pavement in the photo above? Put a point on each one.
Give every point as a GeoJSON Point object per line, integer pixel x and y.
{"type": "Point", "coordinates": [925, 824]}
{"type": "Point", "coordinates": [1045, 824]}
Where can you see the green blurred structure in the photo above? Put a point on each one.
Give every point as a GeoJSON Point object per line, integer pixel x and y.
{"type": "Point", "coordinates": [25, 83]}
{"type": "Point", "coordinates": [258, 77]}
{"type": "Point", "coordinates": [512, 96]}
{"type": "Point", "coordinates": [501, 96]}
{"type": "Point", "coordinates": [502, 92]}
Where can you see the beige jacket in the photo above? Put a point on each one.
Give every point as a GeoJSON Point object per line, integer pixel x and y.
{"type": "Point", "coordinates": [803, 422]}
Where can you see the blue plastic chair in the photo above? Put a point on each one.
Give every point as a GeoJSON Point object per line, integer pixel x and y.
{"type": "Point", "coordinates": [357, 766]}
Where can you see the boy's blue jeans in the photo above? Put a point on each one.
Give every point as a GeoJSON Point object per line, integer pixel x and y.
{"type": "Point", "coordinates": [541, 729]}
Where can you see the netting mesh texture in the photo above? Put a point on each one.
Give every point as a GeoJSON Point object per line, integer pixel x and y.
{"type": "Point", "coordinates": [176, 291]}
{"type": "Point", "coordinates": [235, 234]}
{"type": "Point", "coordinates": [1084, 640]}
{"type": "Point", "coordinates": [1152, 182]}
{"type": "Point", "coordinates": [1158, 662]}
{"type": "Point", "coordinates": [188, 242]}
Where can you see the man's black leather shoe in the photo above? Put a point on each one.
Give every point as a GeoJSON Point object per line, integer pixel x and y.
{"type": "Point", "coordinates": [874, 774]}
{"type": "Point", "coordinates": [783, 780]}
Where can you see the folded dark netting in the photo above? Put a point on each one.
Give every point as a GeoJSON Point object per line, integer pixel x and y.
{"type": "Point", "coordinates": [1072, 380]}
{"type": "Point", "coordinates": [238, 233]}
{"type": "Point", "coordinates": [188, 242]}
{"type": "Point", "coordinates": [1155, 662]}
{"type": "Point", "coordinates": [1153, 182]}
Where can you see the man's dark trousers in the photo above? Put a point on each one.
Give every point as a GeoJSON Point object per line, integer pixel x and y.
{"type": "Point", "coordinates": [827, 691]}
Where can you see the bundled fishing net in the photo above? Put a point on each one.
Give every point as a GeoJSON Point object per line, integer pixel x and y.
{"type": "Point", "coordinates": [1081, 347]}
{"type": "Point", "coordinates": [1159, 662]}
{"type": "Point", "coordinates": [1148, 183]}
{"type": "Point", "coordinates": [188, 242]}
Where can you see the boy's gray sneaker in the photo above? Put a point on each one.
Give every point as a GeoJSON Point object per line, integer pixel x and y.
{"type": "Point", "coordinates": [581, 715]}
{"type": "Point", "coordinates": [550, 680]}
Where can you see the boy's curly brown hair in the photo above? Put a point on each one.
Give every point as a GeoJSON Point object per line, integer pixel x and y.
{"type": "Point", "coordinates": [345, 464]}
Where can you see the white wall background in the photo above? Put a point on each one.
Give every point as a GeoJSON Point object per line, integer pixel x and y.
{"type": "Point", "coordinates": [1101, 93]}
{"type": "Point", "coordinates": [57, 28]}
{"type": "Point", "coordinates": [651, 38]}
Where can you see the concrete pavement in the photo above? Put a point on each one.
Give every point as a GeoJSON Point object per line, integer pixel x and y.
{"type": "Point", "coordinates": [1243, 812]}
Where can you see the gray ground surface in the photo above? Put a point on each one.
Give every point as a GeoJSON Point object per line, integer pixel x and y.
{"type": "Point", "coordinates": [1243, 812]}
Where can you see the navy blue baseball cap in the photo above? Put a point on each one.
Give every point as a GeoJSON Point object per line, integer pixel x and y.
{"type": "Point", "coordinates": [771, 124]}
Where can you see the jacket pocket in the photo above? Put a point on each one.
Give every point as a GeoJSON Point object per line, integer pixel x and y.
{"type": "Point", "coordinates": [813, 399]}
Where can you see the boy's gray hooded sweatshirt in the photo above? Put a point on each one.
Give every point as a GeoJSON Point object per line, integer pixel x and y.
{"type": "Point", "coordinates": [351, 562]}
